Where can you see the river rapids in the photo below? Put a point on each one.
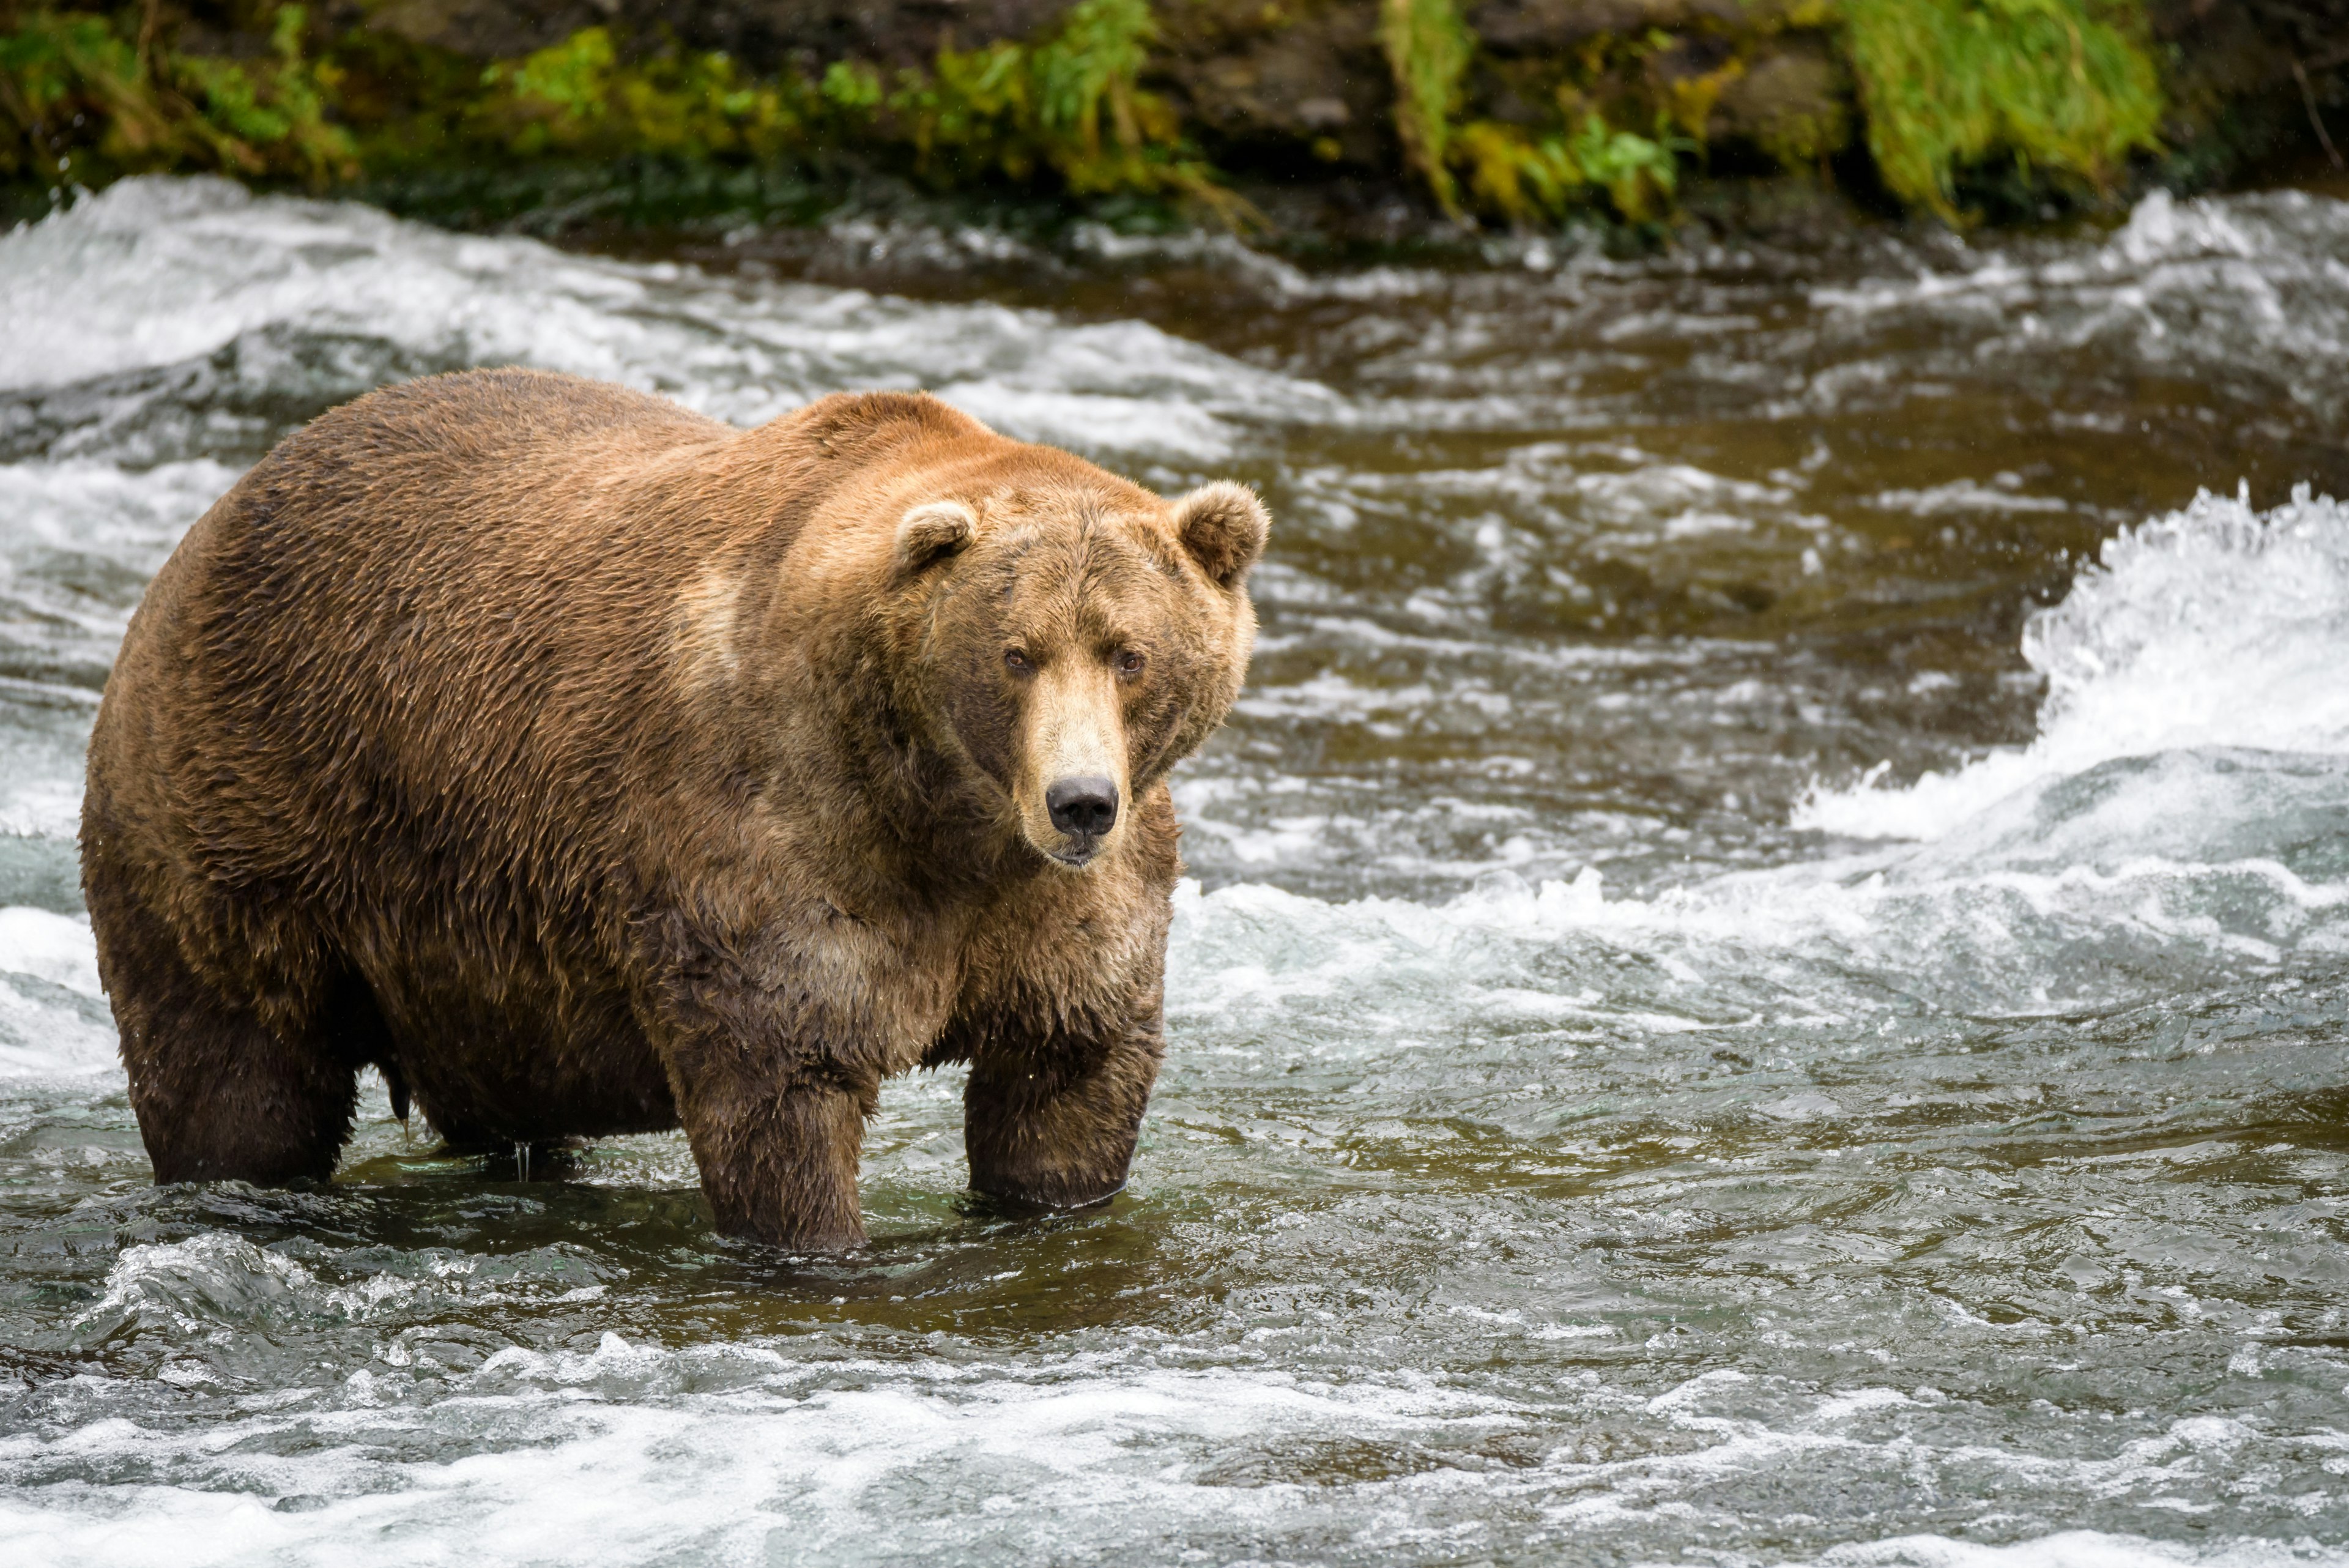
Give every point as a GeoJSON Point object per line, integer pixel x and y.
{"type": "Point", "coordinates": [1766, 977]}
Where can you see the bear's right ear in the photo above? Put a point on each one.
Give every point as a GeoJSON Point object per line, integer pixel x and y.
{"type": "Point", "coordinates": [933, 531]}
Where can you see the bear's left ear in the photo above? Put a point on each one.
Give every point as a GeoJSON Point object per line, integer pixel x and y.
{"type": "Point", "coordinates": [1223, 527]}
{"type": "Point", "coordinates": [933, 531]}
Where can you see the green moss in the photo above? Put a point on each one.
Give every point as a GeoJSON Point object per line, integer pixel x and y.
{"type": "Point", "coordinates": [81, 104]}
{"type": "Point", "coordinates": [1088, 68]}
{"type": "Point", "coordinates": [1531, 174]}
{"type": "Point", "coordinates": [82, 101]}
{"type": "Point", "coordinates": [1805, 140]}
{"type": "Point", "coordinates": [1428, 49]}
{"type": "Point", "coordinates": [2063, 90]}
{"type": "Point", "coordinates": [1638, 173]}
{"type": "Point", "coordinates": [577, 98]}
{"type": "Point", "coordinates": [1070, 104]}
{"type": "Point", "coordinates": [853, 86]}
{"type": "Point", "coordinates": [272, 114]}
{"type": "Point", "coordinates": [2063, 87]}
{"type": "Point", "coordinates": [1525, 178]}
{"type": "Point", "coordinates": [54, 69]}
{"type": "Point", "coordinates": [1513, 175]}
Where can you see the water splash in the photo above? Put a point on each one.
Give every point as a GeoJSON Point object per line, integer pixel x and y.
{"type": "Point", "coordinates": [2216, 626]}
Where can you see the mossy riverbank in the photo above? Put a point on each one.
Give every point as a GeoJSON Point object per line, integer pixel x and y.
{"type": "Point", "coordinates": [1522, 113]}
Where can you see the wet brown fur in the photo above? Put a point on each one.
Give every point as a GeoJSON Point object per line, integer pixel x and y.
{"type": "Point", "coordinates": [591, 767]}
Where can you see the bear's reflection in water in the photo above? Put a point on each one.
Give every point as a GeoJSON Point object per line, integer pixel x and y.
{"type": "Point", "coordinates": [939, 1257]}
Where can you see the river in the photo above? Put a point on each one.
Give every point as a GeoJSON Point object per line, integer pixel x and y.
{"type": "Point", "coordinates": [1766, 977]}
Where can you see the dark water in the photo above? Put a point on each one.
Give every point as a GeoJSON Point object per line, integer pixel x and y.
{"type": "Point", "coordinates": [1768, 978]}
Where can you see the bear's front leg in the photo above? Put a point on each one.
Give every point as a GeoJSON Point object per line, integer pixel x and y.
{"type": "Point", "coordinates": [1053, 1120]}
{"type": "Point", "coordinates": [778, 1147]}
{"type": "Point", "coordinates": [771, 1089]}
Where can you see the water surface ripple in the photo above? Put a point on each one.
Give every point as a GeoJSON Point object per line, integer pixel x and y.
{"type": "Point", "coordinates": [1766, 979]}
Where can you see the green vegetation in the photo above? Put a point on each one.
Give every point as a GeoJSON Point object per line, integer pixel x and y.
{"type": "Point", "coordinates": [1428, 49]}
{"type": "Point", "coordinates": [1524, 178]}
{"type": "Point", "coordinates": [1527, 174]}
{"type": "Point", "coordinates": [82, 101]}
{"type": "Point", "coordinates": [1944, 93]}
{"type": "Point", "coordinates": [152, 108]}
{"type": "Point", "coordinates": [2064, 87]}
{"type": "Point", "coordinates": [1068, 105]}
{"type": "Point", "coordinates": [1519, 175]}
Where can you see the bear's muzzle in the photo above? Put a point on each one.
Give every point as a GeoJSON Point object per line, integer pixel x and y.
{"type": "Point", "coordinates": [1084, 808]}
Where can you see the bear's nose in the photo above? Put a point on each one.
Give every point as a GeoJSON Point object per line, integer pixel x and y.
{"type": "Point", "coordinates": [1087, 805]}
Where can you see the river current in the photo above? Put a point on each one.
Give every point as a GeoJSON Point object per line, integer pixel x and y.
{"type": "Point", "coordinates": [1765, 980]}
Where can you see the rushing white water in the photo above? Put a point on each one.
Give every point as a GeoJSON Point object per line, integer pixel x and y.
{"type": "Point", "coordinates": [2252, 292]}
{"type": "Point", "coordinates": [2215, 627]}
{"type": "Point", "coordinates": [1584, 1137]}
{"type": "Point", "coordinates": [154, 284]}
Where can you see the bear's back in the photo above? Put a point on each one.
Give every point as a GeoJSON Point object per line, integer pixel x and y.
{"type": "Point", "coordinates": [392, 620]}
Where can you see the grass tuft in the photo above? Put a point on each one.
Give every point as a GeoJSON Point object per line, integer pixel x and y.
{"type": "Point", "coordinates": [1526, 178]}
{"type": "Point", "coordinates": [2065, 87]}
{"type": "Point", "coordinates": [1428, 49]}
{"type": "Point", "coordinates": [85, 100]}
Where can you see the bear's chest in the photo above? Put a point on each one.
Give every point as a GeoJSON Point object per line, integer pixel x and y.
{"type": "Point", "coordinates": [1077, 947]}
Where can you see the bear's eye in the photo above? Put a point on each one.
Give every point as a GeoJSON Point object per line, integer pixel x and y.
{"type": "Point", "coordinates": [1016, 661]}
{"type": "Point", "coordinates": [1130, 663]}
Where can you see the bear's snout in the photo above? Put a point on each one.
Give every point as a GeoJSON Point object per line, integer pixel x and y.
{"type": "Point", "coordinates": [1071, 784]}
{"type": "Point", "coordinates": [1084, 807]}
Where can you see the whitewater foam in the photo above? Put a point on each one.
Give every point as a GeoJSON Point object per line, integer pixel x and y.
{"type": "Point", "coordinates": [616, 1455]}
{"type": "Point", "coordinates": [2246, 291]}
{"type": "Point", "coordinates": [2080, 1549]}
{"type": "Point", "coordinates": [2215, 626]}
{"type": "Point", "coordinates": [154, 273]}
{"type": "Point", "coordinates": [789, 1451]}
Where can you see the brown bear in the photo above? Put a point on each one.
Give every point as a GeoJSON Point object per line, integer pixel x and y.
{"type": "Point", "coordinates": [590, 767]}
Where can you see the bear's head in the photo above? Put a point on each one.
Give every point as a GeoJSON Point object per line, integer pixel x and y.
{"type": "Point", "coordinates": [1071, 637]}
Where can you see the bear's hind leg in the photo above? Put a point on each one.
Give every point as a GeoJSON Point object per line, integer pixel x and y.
{"type": "Point", "coordinates": [219, 1094]}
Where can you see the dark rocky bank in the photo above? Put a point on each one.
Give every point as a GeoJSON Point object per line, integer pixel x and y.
{"type": "Point", "coordinates": [1338, 118]}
